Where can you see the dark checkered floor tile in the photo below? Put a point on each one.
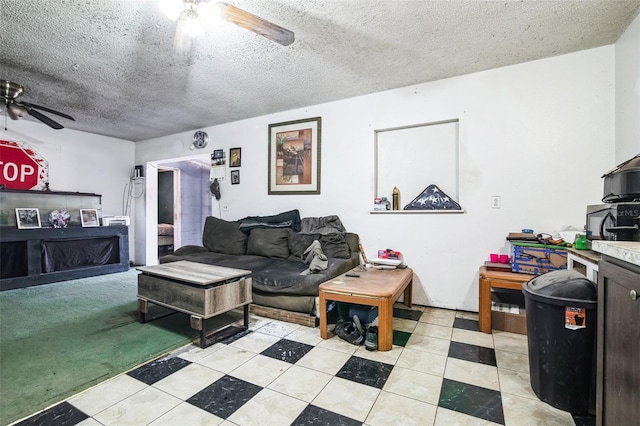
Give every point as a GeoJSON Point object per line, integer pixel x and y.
{"type": "Point", "coordinates": [158, 370]}
{"type": "Point", "coordinates": [365, 371]}
{"type": "Point", "coordinates": [313, 415]}
{"type": "Point", "coordinates": [407, 314]}
{"type": "Point", "coordinates": [224, 396]}
{"type": "Point", "coordinates": [63, 414]}
{"type": "Point", "coordinates": [400, 338]}
{"type": "Point", "coordinates": [466, 324]}
{"type": "Point", "coordinates": [472, 353]}
{"type": "Point", "coordinates": [287, 350]}
{"type": "Point", "coordinates": [240, 334]}
{"type": "Point", "coordinates": [472, 400]}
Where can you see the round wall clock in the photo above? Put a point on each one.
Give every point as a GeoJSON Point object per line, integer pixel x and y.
{"type": "Point", "coordinates": [200, 139]}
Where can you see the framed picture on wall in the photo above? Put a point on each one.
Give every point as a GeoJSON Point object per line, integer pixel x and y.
{"type": "Point", "coordinates": [89, 217]}
{"type": "Point", "coordinates": [294, 157]}
{"type": "Point", "coordinates": [28, 218]}
{"type": "Point", "coordinates": [235, 157]}
{"type": "Point", "coordinates": [235, 177]}
{"type": "Point", "coordinates": [217, 158]}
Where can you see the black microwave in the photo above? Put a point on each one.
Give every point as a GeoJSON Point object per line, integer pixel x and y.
{"type": "Point", "coordinates": [614, 221]}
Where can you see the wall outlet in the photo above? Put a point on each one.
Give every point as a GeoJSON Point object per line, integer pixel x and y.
{"type": "Point", "coordinates": [495, 202]}
{"type": "Point", "coordinates": [225, 207]}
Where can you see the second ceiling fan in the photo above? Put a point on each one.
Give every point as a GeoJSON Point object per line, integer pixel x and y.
{"type": "Point", "coordinates": [190, 15]}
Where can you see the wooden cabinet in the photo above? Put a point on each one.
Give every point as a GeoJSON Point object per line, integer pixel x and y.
{"type": "Point", "coordinates": [618, 347]}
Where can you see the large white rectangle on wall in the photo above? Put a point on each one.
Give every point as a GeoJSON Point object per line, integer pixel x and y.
{"type": "Point", "coordinates": [414, 157]}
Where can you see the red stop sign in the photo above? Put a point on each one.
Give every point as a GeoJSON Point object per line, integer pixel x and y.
{"type": "Point", "coordinates": [21, 167]}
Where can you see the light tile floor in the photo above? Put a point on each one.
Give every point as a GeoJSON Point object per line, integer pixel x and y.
{"type": "Point", "coordinates": [441, 371]}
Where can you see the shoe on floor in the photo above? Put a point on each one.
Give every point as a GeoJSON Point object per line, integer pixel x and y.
{"type": "Point", "coordinates": [348, 331]}
{"type": "Point", "coordinates": [371, 339]}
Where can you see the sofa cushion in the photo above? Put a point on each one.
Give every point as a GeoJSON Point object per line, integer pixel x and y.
{"type": "Point", "coordinates": [269, 242]}
{"type": "Point", "coordinates": [221, 236]}
{"type": "Point", "coordinates": [290, 219]}
{"type": "Point", "coordinates": [298, 243]}
{"type": "Point", "coordinates": [283, 277]}
{"type": "Point", "coordinates": [335, 245]}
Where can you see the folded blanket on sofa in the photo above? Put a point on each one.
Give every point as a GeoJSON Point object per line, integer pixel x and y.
{"type": "Point", "coordinates": [290, 219]}
{"type": "Point", "coordinates": [322, 225]}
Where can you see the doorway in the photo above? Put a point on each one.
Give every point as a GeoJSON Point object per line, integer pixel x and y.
{"type": "Point", "coordinates": [190, 200]}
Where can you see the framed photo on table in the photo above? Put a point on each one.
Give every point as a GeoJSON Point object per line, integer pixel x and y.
{"type": "Point", "coordinates": [89, 217]}
{"type": "Point", "coordinates": [28, 218]}
{"type": "Point", "coordinates": [294, 157]}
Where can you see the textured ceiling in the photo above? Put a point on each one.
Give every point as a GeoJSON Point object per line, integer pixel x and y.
{"type": "Point", "coordinates": [110, 63]}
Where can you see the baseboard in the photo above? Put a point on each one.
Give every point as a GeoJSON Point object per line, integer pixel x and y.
{"type": "Point", "coordinates": [282, 315]}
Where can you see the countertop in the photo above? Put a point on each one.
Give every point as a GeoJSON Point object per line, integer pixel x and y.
{"type": "Point", "coordinates": [629, 251]}
{"type": "Point", "coordinates": [588, 255]}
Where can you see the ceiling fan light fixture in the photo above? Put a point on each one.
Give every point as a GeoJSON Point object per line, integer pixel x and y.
{"type": "Point", "coordinates": [195, 17]}
{"type": "Point", "coordinates": [172, 8]}
{"type": "Point", "coordinates": [208, 11]}
{"type": "Point", "coordinates": [16, 112]}
{"type": "Point", "coordinates": [192, 25]}
{"type": "Point", "coordinates": [10, 90]}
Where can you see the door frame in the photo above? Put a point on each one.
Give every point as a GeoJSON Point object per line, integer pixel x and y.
{"type": "Point", "coordinates": [177, 205]}
{"type": "Point", "coordinates": [151, 203]}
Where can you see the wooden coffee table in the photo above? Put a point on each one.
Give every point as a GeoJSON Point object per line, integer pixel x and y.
{"type": "Point", "coordinates": [373, 287]}
{"type": "Point", "coordinates": [200, 290]}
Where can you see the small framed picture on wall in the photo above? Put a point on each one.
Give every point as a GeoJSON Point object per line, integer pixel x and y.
{"type": "Point", "coordinates": [235, 177]}
{"type": "Point", "coordinates": [28, 218]}
{"type": "Point", "coordinates": [89, 217]}
{"type": "Point", "coordinates": [235, 157]}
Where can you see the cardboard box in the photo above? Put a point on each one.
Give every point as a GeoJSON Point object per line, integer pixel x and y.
{"type": "Point", "coordinates": [513, 323]}
{"type": "Point", "coordinates": [537, 259]}
{"type": "Point", "coordinates": [507, 312]}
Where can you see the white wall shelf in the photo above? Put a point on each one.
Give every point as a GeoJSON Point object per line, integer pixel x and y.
{"type": "Point", "coordinates": [416, 211]}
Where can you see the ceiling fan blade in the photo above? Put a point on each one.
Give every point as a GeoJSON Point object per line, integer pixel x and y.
{"type": "Point", "coordinates": [256, 24]}
{"type": "Point", "coordinates": [61, 114]}
{"type": "Point", "coordinates": [46, 120]}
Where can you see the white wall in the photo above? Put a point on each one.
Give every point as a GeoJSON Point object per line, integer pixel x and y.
{"type": "Point", "coordinates": [79, 161]}
{"type": "Point", "coordinates": [538, 134]}
{"type": "Point", "coordinates": [628, 93]}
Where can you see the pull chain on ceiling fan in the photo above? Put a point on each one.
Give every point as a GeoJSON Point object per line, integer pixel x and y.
{"type": "Point", "coordinates": [194, 15]}
{"type": "Point", "coordinates": [9, 93]}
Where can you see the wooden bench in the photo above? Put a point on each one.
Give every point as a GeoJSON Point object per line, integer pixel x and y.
{"type": "Point", "coordinates": [373, 287]}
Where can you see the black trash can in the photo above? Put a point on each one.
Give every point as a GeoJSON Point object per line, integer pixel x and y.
{"type": "Point", "coordinates": [561, 334]}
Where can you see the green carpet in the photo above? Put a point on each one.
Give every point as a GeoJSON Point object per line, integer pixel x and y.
{"type": "Point", "coordinates": [58, 339]}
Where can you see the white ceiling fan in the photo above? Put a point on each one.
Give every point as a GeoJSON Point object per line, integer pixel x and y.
{"type": "Point", "coordinates": [193, 15]}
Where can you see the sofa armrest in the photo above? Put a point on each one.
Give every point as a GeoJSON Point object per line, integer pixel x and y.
{"type": "Point", "coordinates": [353, 240]}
